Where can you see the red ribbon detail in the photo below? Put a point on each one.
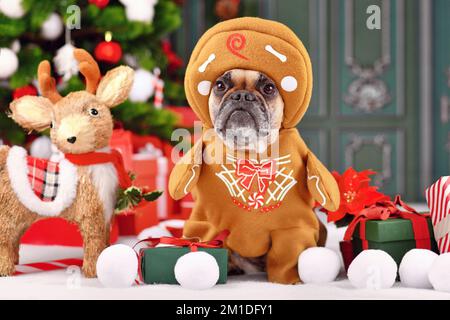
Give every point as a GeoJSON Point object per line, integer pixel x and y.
{"type": "Point", "coordinates": [389, 210]}
{"type": "Point", "coordinates": [264, 173]}
{"type": "Point", "coordinates": [92, 158]}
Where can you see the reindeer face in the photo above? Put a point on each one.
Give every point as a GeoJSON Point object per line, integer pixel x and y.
{"type": "Point", "coordinates": [81, 122]}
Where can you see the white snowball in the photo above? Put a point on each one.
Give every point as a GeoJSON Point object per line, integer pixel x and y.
{"type": "Point", "coordinates": [197, 270]}
{"type": "Point", "coordinates": [52, 27]}
{"type": "Point", "coordinates": [289, 83]}
{"type": "Point", "coordinates": [318, 265]}
{"type": "Point", "coordinates": [204, 87]}
{"type": "Point", "coordinates": [415, 266]}
{"type": "Point", "coordinates": [41, 148]}
{"type": "Point", "coordinates": [372, 269]}
{"type": "Point", "coordinates": [439, 274]}
{"type": "Point", "coordinates": [8, 63]}
{"type": "Point", "coordinates": [140, 10]}
{"type": "Point", "coordinates": [12, 8]}
{"type": "Point", "coordinates": [143, 86]}
{"type": "Point", "coordinates": [117, 266]}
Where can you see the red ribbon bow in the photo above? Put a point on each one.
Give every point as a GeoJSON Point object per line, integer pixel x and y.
{"type": "Point", "coordinates": [387, 209]}
{"type": "Point", "coordinates": [264, 173]}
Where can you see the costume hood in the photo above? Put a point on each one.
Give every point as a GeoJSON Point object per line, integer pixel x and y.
{"type": "Point", "coordinates": [253, 44]}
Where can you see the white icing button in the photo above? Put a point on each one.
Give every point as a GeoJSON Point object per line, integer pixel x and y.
{"type": "Point", "coordinates": [204, 87]}
{"type": "Point", "coordinates": [289, 83]}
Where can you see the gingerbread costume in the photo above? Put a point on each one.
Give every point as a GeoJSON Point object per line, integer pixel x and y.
{"type": "Point", "coordinates": [264, 200]}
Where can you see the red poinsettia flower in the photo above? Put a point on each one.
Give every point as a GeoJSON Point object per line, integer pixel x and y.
{"type": "Point", "coordinates": [356, 193]}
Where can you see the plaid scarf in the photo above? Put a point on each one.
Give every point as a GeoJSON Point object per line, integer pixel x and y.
{"type": "Point", "coordinates": [43, 176]}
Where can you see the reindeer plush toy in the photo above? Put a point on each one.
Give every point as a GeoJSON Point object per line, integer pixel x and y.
{"type": "Point", "coordinates": [82, 187]}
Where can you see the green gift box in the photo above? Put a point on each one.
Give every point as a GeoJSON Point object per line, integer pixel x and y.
{"type": "Point", "coordinates": [394, 236]}
{"type": "Point", "coordinates": [157, 264]}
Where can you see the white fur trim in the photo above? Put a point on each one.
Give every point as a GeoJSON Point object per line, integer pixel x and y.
{"type": "Point", "coordinates": [104, 178]}
{"type": "Point", "coordinates": [18, 175]}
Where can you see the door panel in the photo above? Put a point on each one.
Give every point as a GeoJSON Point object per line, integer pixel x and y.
{"type": "Point", "coordinates": [441, 86]}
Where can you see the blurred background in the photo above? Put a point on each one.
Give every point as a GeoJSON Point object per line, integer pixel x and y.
{"type": "Point", "coordinates": [381, 71]}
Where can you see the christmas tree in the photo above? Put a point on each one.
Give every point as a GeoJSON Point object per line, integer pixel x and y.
{"type": "Point", "coordinates": [131, 32]}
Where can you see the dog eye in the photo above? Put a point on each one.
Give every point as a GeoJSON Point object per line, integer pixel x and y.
{"type": "Point", "coordinates": [220, 86]}
{"type": "Point", "coordinates": [269, 88]}
{"type": "Point", "coordinates": [93, 112]}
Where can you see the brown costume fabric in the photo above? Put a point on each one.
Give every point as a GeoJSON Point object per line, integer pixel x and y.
{"type": "Point", "coordinates": [279, 220]}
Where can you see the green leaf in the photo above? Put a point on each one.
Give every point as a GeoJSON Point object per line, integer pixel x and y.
{"type": "Point", "coordinates": [152, 196]}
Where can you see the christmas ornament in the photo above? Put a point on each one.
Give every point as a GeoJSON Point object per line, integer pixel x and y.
{"type": "Point", "coordinates": [415, 267]}
{"type": "Point", "coordinates": [159, 89]}
{"type": "Point", "coordinates": [99, 3]}
{"type": "Point", "coordinates": [318, 265]}
{"type": "Point", "coordinates": [227, 9]}
{"type": "Point", "coordinates": [197, 271]}
{"type": "Point", "coordinates": [28, 90]}
{"type": "Point", "coordinates": [117, 266]}
{"type": "Point", "coordinates": [8, 63]}
{"type": "Point", "coordinates": [140, 10]}
{"type": "Point", "coordinates": [52, 27]}
{"type": "Point", "coordinates": [41, 148]}
{"type": "Point", "coordinates": [372, 269]}
{"type": "Point", "coordinates": [173, 60]}
{"type": "Point", "coordinates": [108, 51]}
{"type": "Point", "coordinates": [143, 86]}
{"type": "Point", "coordinates": [65, 63]}
{"type": "Point", "coordinates": [15, 46]}
{"type": "Point", "coordinates": [439, 274]}
{"type": "Point", "coordinates": [12, 8]}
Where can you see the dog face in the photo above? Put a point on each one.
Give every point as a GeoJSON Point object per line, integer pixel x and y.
{"type": "Point", "coordinates": [246, 109]}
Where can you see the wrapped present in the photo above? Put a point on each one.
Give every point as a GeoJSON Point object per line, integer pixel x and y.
{"type": "Point", "coordinates": [386, 227]}
{"type": "Point", "coordinates": [58, 231]}
{"type": "Point", "coordinates": [146, 160]}
{"type": "Point", "coordinates": [157, 263]}
{"type": "Point", "coordinates": [437, 196]}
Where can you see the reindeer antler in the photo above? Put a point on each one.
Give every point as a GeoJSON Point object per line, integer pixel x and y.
{"type": "Point", "coordinates": [47, 84]}
{"type": "Point", "coordinates": [89, 69]}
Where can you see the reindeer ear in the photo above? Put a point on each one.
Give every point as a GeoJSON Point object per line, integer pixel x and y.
{"type": "Point", "coordinates": [115, 86]}
{"type": "Point", "coordinates": [33, 113]}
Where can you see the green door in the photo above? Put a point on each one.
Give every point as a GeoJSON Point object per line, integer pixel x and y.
{"type": "Point", "coordinates": [441, 88]}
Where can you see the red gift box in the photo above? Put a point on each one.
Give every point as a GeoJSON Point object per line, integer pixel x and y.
{"type": "Point", "coordinates": [57, 231]}
{"type": "Point", "coordinates": [151, 170]}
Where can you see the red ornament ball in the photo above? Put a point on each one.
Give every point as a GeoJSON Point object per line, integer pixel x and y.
{"type": "Point", "coordinates": [110, 52]}
{"type": "Point", "coordinates": [99, 3]}
{"type": "Point", "coordinates": [28, 90]}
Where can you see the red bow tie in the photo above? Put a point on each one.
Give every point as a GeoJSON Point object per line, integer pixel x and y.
{"type": "Point", "coordinates": [264, 173]}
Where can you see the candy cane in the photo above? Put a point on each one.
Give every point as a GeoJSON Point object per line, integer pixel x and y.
{"type": "Point", "coordinates": [47, 266]}
{"type": "Point", "coordinates": [159, 89]}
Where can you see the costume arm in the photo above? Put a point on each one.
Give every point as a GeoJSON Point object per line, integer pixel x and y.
{"type": "Point", "coordinates": [185, 174]}
{"type": "Point", "coordinates": [321, 183]}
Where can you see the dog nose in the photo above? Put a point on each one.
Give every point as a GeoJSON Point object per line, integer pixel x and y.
{"type": "Point", "coordinates": [72, 139]}
{"type": "Point", "coordinates": [242, 96]}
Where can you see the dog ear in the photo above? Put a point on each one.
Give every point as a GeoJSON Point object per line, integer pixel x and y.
{"type": "Point", "coordinates": [32, 113]}
{"type": "Point", "coordinates": [115, 86]}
